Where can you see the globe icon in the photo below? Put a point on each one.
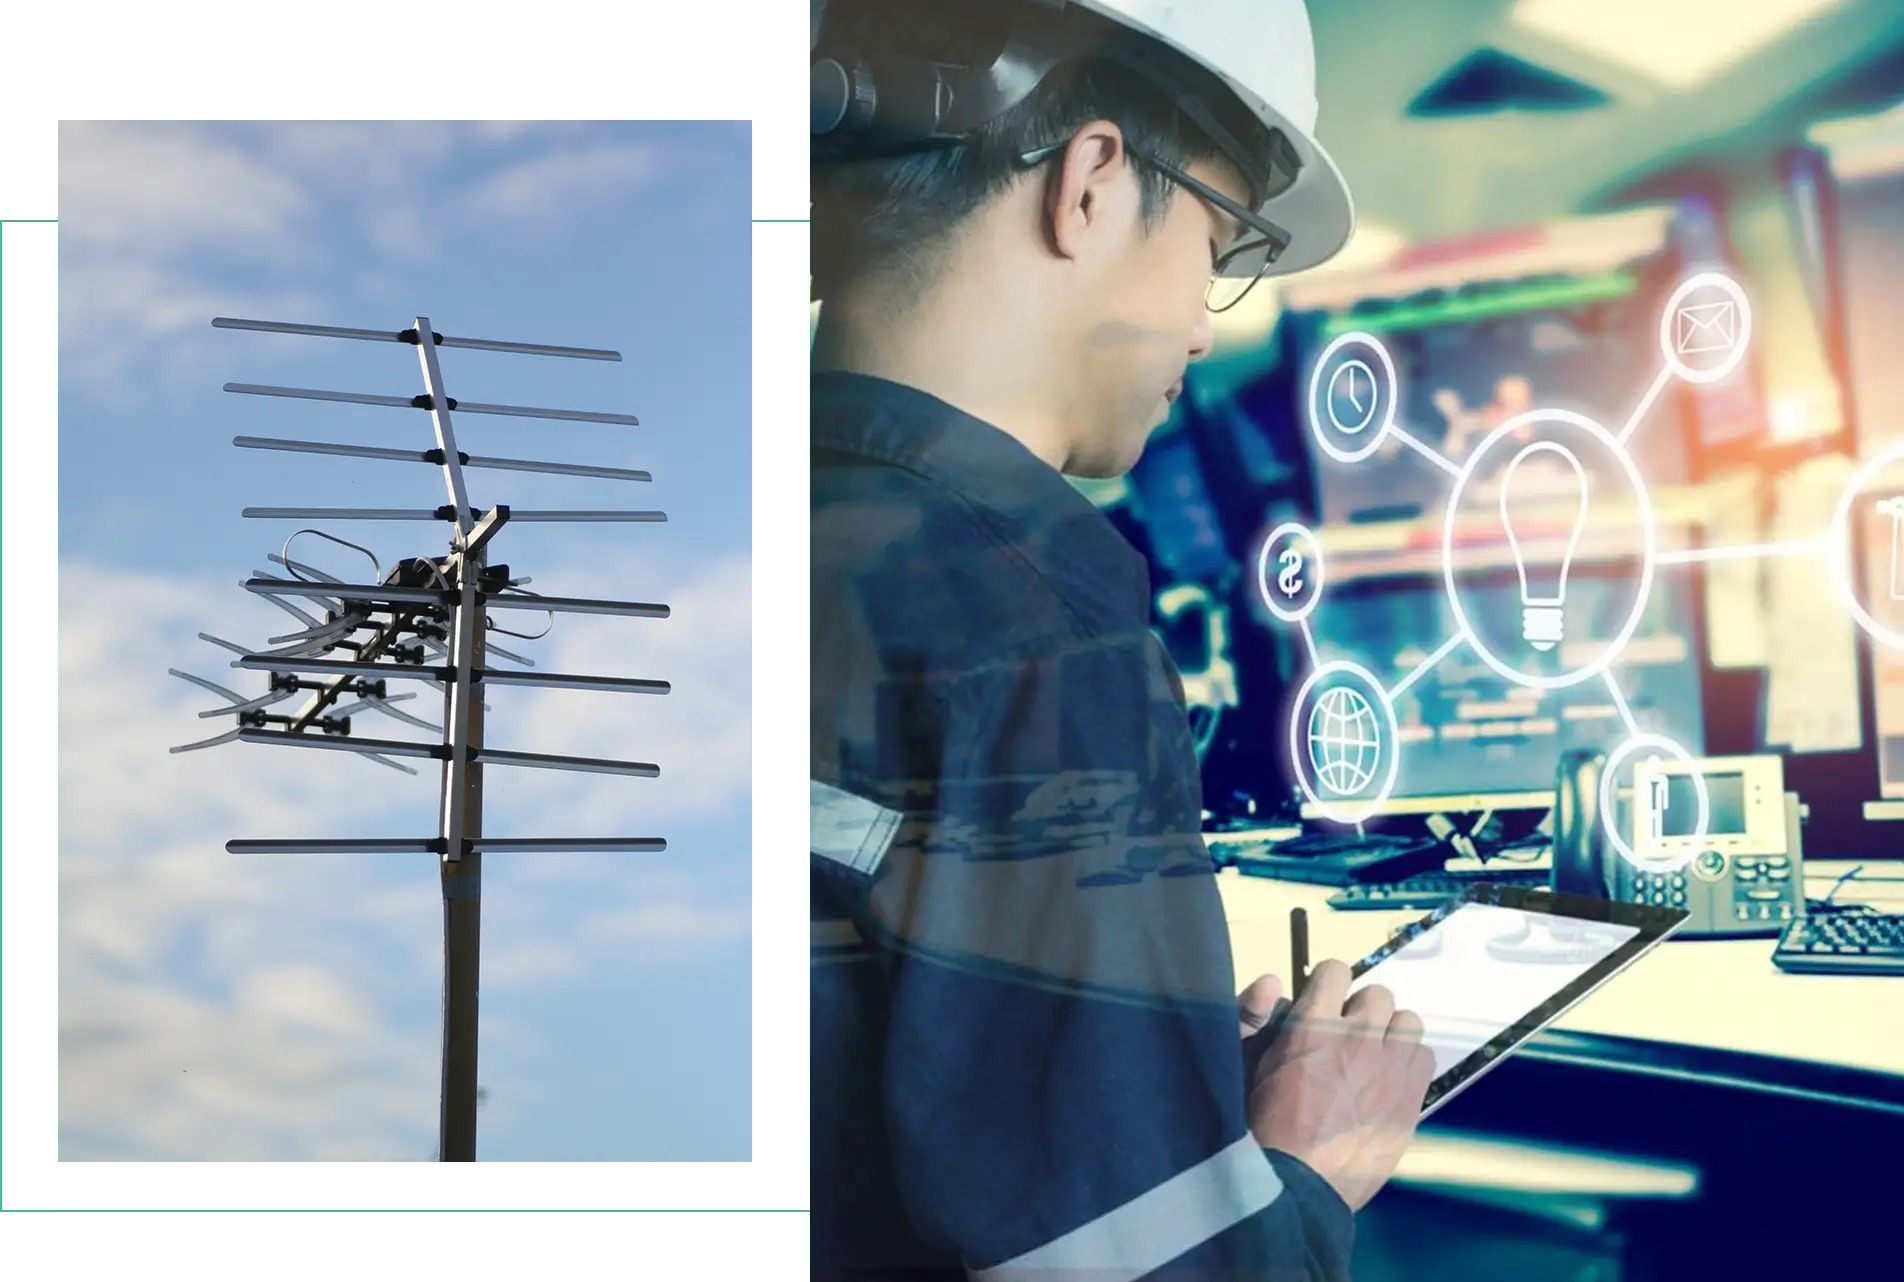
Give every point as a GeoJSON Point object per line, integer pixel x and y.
{"type": "Point", "coordinates": [1344, 741]}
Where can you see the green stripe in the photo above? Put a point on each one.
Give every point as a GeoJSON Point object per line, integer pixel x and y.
{"type": "Point", "coordinates": [779, 240]}
{"type": "Point", "coordinates": [1500, 302]}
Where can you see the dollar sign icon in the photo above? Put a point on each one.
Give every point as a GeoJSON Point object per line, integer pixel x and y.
{"type": "Point", "coordinates": [1289, 581]}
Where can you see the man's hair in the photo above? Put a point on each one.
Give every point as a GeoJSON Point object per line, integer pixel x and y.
{"type": "Point", "coordinates": [890, 219]}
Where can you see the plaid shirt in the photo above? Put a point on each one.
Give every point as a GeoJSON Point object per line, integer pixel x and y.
{"type": "Point", "coordinates": [1024, 1033]}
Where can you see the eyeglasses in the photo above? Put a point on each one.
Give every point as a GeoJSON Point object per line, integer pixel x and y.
{"type": "Point", "coordinates": [1235, 272]}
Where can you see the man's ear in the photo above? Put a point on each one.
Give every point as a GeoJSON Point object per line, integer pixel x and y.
{"type": "Point", "coordinates": [1084, 197]}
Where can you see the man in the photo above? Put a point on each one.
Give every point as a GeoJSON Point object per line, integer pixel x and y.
{"type": "Point", "coordinates": [1025, 1038]}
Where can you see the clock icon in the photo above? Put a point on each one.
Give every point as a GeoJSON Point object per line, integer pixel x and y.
{"type": "Point", "coordinates": [1352, 398]}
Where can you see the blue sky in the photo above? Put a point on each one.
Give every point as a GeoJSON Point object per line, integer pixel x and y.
{"type": "Point", "coordinates": [217, 1007]}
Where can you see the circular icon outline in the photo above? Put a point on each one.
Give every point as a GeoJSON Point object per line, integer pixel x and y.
{"type": "Point", "coordinates": [1631, 745]}
{"type": "Point", "coordinates": [1667, 346]}
{"type": "Point", "coordinates": [1839, 554]}
{"type": "Point", "coordinates": [1348, 367]}
{"type": "Point", "coordinates": [1376, 438]}
{"type": "Point", "coordinates": [1332, 811]}
{"type": "Point", "coordinates": [1262, 572]}
{"type": "Point", "coordinates": [1649, 549]}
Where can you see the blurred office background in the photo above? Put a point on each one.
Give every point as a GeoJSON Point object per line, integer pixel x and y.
{"type": "Point", "coordinates": [1532, 180]}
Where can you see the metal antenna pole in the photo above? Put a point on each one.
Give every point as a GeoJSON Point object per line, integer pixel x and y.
{"type": "Point", "coordinates": [462, 868]}
{"type": "Point", "coordinates": [462, 809]}
{"type": "Point", "coordinates": [441, 602]}
{"type": "Point", "coordinates": [440, 419]}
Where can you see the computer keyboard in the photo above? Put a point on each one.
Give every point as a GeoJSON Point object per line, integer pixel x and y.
{"type": "Point", "coordinates": [1329, 858]}
{"type": "Point", "coordinates": [1430, 890]}
{"type": "Point", "coordinates": [1329, 843]}
{"type": "Point", "coordinates": [1843, 943]}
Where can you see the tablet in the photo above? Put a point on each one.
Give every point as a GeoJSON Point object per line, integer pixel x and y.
{"type": "Point", "coordinates": [1492, 967]}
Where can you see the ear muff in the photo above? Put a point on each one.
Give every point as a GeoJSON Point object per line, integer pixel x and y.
{"type": "Point", "coordinates": [844, 100]}
{"type": "Point", "coordinates": [962, 65]}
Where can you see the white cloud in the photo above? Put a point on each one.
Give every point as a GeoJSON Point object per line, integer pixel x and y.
{"type": "Point", "coordinates": [553, 185]}
{"type": "Point", "coordinates": [666, 923]}
{"type": "Point", "coordinates": [502, 132]}
{"type": "Point", "coordinates": [700, 733]}
{"type": "Point", "coordinates": [216, 1006]}
{"type": "Point", "coordinates": [117, 313]}
{"type": "Point", "coordinates": [146, 189]}
{"type": "Point", "coordinates": [141, 203]}
{"type": "Point", "coordinates": [656, 916]}
{"type": "Point", "coordinates": [369, 154]}
{"type": "Point", "coordinates": [289, 1065]}
{"type": "Point", "coordinates": [206, 1007]}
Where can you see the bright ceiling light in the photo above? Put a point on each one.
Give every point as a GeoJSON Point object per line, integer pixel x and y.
{"type": "Point", "coordinates": [1677, 42]}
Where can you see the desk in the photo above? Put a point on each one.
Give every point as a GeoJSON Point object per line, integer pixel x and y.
{"type": "Point", "coordinates": [1721, 994]}
{"type": "Point", "coordinates": [1694, 1010]}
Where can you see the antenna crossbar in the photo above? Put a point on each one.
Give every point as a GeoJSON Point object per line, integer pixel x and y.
{"type": "Point", "coordinates": [437, 846]}
{"type": "Point", "coordinates": [441, 752]}
{"type": "Point", "coordinates": [410, 336]}
{"type": "Point", "coordinates": [422, 402]}
{"type": "Point", "coordinates": [425, 514]}
{"type": "Point", "coordinates": [440, 596]}
{"type": "Point", "coordinates": [430, 456]}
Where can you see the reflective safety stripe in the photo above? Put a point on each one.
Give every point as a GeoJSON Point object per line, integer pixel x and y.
{"type": "Point", "coordinates": [1154, 1228]}
{"type": "Point", "coordinates": [851, 830]}
{"type": "Point", "coordinates": [848, 958]}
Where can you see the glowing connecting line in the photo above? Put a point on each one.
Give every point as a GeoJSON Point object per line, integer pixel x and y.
{"type": "Point", "coordinates": [1344, 738]}
{"type": "Point", "coordinates": [1739, 552]}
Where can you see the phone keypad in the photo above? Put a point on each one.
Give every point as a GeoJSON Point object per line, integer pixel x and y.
{"type": "Point", "coordinates": [1666, 890]}
{"type": "Point", "coordinates": [1763, 888]}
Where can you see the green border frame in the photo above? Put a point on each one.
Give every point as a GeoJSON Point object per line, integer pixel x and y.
{"type": "Point", "coordinates": [86, 1221]}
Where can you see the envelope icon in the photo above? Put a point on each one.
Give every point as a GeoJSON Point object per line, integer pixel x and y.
{"type": "Point", "coordinates": [1708, 327]}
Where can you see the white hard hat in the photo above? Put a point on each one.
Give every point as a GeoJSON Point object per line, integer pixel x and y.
{"type": "Point", "coordinates": [1257, 53]}
{"type": "Point", "coordinates": [1264, 52]}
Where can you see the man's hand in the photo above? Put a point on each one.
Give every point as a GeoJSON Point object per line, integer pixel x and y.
{"type": "Point", "coordinates": [1340, 1085]}
{"type": "Point", "coordinates": [1255, 1004]}
{"type": "Point", "coordinates": [1256, 1009]}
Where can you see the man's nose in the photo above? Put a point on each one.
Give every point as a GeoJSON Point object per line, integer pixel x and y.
{"type": "Point", "coordinates": [1202, 337]}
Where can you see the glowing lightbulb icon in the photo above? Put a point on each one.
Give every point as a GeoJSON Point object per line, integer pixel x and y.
{"type": "Point", "coordinates": [1541, 617]}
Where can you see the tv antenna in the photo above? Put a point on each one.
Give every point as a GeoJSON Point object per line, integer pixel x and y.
{"type": "Point", "coordinates": [423, 620]}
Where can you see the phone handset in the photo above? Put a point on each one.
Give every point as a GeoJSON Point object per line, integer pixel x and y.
{"type": "Point", "coordinates": [1656, 802]}
{"type": "Point", "coordinates": [1579, 843]}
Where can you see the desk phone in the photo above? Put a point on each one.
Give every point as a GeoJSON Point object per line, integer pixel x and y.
{"type": "Point", "coordinates": [1745, 876]}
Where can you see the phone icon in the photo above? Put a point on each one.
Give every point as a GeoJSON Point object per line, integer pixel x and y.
{"type": "Point", "coordinates": [1657, 800]}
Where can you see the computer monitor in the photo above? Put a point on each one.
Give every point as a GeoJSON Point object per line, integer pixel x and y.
{"type": "Point", "coordinates": [1869, 199]}
{"type": "Point", "coordinates": [1174, 504]}
{"type": "Point", "coordinates": [1726, 421]}
{"type": "Point", "coordinates": [1472, 740]}
{"type": "Point", "coordinates": [1594, 352]}
{"type": "Point", "coordinates": [1867, 163]}
{"type": "Point", "coordinates": [1881, 532]}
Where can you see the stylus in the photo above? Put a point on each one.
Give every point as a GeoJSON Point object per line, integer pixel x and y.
{"type": "Point", "coordinates": [1298, 951]}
